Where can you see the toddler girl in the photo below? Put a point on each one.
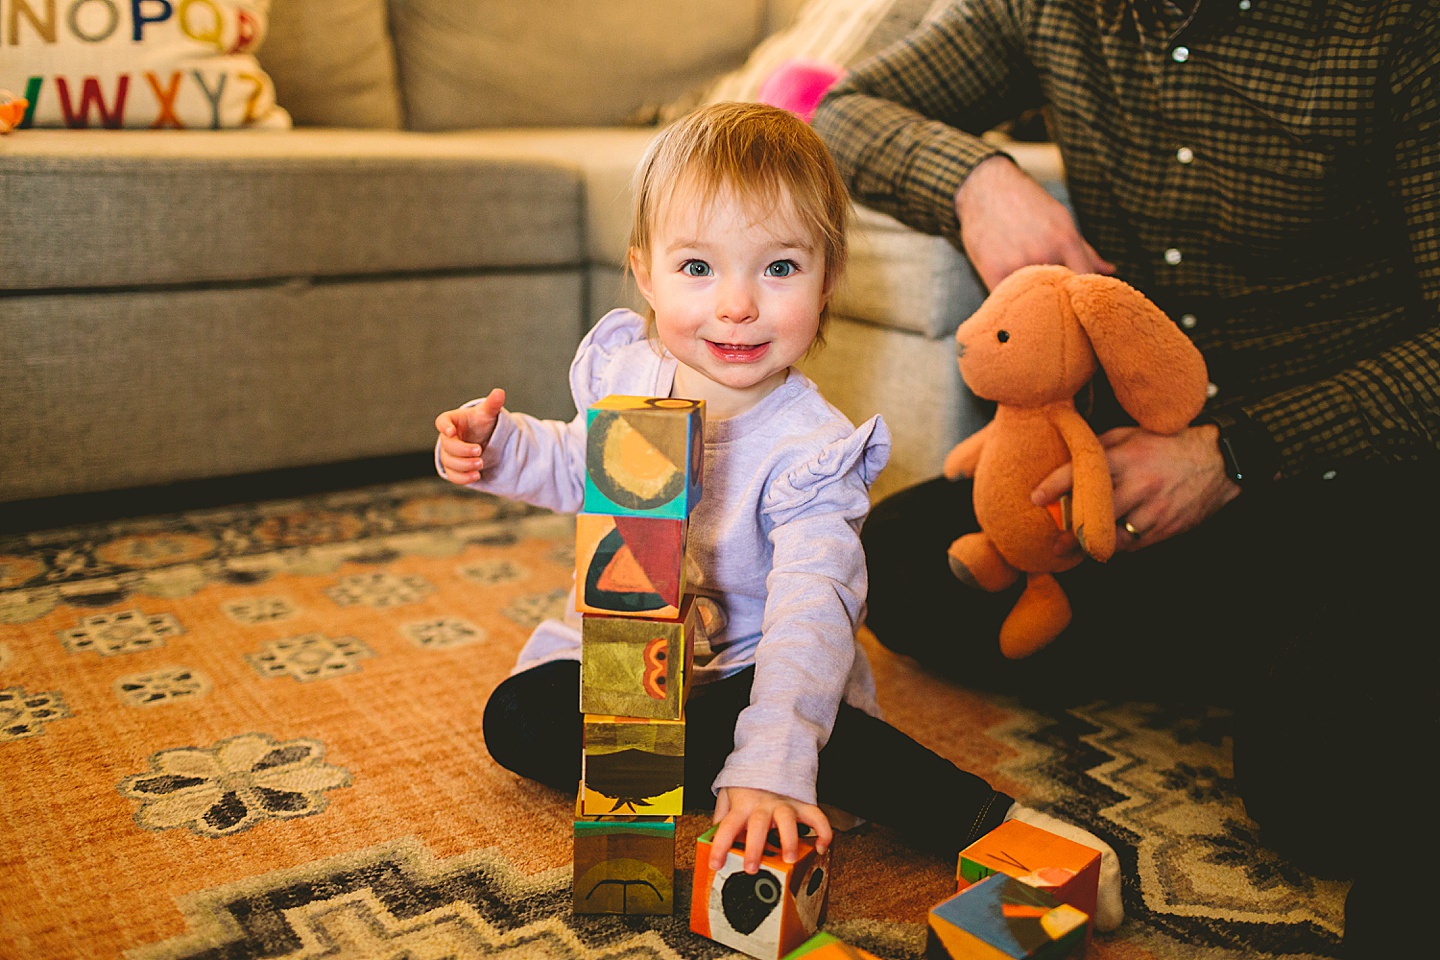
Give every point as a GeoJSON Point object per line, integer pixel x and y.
{"type": "Point", "coordinates": [738, 240]}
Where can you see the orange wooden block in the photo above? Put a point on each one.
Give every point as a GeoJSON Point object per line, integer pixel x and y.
{"type": "Point", "coordinates": [629, 566]}
{"type": "Point", "coordinates": [1068, 871]}
{"type": "Point", "coordinates": [766, 914]}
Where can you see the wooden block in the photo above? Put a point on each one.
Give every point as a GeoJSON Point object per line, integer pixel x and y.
{"type": "Point", "coordinates": [629, 566]}
{"type": "Point", "coordinates": [624, 865]}
{"type": "Point", "coordinates": [631, 667]}
{"type": "Point", "coordinates": [1000, 918]}
{"type": "Point", "coordinates": [643, 456]}
{"type": "Point", "coordinates": [766, 914]}
{"type": "Point", "coordinates": [1068, 871]}
{"type": "Point", "coordinates": [827, 946]}
{"type": "Point", "coordinates": [633, 765]}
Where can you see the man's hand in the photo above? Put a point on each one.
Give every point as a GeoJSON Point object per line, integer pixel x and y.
{"type": "Point", "coordinates": [754, 811]}
{"type": "Point", "coordinates": [1164, 485]}
{"type": "Point", "coordinates": [463, 435]}
{"type": "Point", "coordinates": [1008, 221]}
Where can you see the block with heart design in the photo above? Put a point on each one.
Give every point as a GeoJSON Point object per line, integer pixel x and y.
{"type": "Point", "coordinates": [765, 914]}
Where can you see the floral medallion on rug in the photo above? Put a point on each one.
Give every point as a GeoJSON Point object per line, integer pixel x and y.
{"type": "Point", "coordinates": [253, 732]}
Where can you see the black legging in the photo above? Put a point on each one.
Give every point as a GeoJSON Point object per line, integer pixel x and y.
{"type": "Point", "coordinates": [1309, 607]}
{"type": "Point", "coordinates": [868, 768]}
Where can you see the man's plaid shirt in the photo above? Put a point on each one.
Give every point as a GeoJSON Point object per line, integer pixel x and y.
{"type": "Point", "coordinates": [1267, 171]}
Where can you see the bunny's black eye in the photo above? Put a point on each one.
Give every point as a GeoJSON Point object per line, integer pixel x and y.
{"type": "Point", "coordinates": [1003, 336]}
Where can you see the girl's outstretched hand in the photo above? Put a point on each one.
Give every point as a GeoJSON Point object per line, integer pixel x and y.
{"type": "Point", "coordinates": [753, 811]}
{"type": "Point", "coordinates": [463, 435]}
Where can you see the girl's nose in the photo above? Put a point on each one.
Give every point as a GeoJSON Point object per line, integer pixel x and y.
{"type": "Point", "coordinates": [736, 303]}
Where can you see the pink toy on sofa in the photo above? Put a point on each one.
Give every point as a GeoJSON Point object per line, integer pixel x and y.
{"type": "Point", "coordinates": [798, 85]}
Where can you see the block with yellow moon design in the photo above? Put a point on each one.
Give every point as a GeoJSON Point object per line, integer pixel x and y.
{"type": "Point", "coordinates": [633, 766]}
{"type": "Point", "coordinates": [643, 456]}
{"type": "Point", "coordinates": [624, 865]}
{"type": "Point", "coordinates": [629, 566]}
{"type": "Point", "coordinates": [637, 667]}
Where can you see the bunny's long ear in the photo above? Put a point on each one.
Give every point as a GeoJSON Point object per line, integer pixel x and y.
{"type": "Point", "coordinates": [1158, 375]}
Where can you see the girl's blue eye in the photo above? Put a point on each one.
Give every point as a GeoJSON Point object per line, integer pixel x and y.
{"type": "Point", "coordinates": [780, 268]}
{"type": "Point", "coordinates": [695, 268]}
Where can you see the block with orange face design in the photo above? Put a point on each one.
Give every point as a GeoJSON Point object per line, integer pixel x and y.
{"type": "Point", "coordinates": [634, 667]}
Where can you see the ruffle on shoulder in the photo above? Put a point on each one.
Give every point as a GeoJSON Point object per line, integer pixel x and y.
{"type": "Point", "coordinates": [832, 473]}
{"type": "Point", "coordinates": [613, 332]}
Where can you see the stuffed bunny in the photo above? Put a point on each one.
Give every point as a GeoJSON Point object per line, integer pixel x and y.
{"type": "Point", "coordinates": [1030, 347]}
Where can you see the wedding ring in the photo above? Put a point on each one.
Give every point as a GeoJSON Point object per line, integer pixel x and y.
{"type": "Point", "coordinates": [1130, 529]}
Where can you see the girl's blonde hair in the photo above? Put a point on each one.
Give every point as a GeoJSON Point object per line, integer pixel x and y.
{"type": "Point", "coordinates": [766, 156]}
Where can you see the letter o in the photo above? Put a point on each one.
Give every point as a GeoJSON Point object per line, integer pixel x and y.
{"type": "Point", "coordinates": [73, 19]}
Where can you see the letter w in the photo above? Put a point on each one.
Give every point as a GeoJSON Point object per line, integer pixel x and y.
{"type": "Point", "coordinates": [79, 116]}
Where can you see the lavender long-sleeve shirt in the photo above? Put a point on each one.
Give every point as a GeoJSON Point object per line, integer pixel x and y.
{"type": "Point", "coordinates": [773, 549]}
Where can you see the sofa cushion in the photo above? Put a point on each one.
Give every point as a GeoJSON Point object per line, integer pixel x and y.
{"type": "Point", "coordinates": [497, 63]}
{"type": "Point", "coordinates": [140, 65]}
{"type": "Point", "coordinates": [333, 63]}
{"type": "Point", "coordinates": [213, 381]}
{"type": "Point", "coordinates": [132, 207]}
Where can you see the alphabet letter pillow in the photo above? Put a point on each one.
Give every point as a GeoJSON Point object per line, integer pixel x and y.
{"type": "Point", "coordinates": [147, 64]}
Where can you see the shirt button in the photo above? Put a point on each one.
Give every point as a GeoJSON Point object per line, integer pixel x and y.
{"type": "Point", "coordinates": [1188, 321]}
{"type": "Point", "coordinates": [1244, 4]}
{"type": "Point", "coordinates": [1328, 475]}
{"type": "Point", "coordinates": [1210, 391]}
{"type": "Point", "coordinates": [1184, 154]}
{"type": "Point", "coordinates": [1180, 54]}
{"type": "Point", "coordinates": [1173, 256]}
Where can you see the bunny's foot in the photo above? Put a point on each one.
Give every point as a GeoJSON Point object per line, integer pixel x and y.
{"type": "Point", "coordinates": [1039, 615]}
{"type": "Point", "coordinates": [976, 563]}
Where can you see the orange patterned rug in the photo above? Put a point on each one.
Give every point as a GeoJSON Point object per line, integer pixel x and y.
{"type": "Point", "coordinates": [254, 732]}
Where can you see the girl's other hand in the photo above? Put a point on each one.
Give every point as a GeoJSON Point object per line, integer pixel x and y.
{"type": "Point", "coordinates": [754, 812]}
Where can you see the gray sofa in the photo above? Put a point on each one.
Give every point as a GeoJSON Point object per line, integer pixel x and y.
{"type": "Point", "coordinates": [448, 213]}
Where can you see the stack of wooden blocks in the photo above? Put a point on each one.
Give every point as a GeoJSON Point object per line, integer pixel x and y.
{"type": "Point", "coordinates": [642, 479]}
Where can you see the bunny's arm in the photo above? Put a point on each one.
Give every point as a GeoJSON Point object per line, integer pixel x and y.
{"type": "Point", "coordinates": [961, 460]}
{"type": "Point", "coordinates": [1091, 495]}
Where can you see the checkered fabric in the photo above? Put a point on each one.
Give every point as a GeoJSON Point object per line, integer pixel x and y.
{"type": "Point", "coordinates": [1266, 170]}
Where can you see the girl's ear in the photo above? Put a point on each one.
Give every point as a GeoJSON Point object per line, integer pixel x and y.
{"type": "Point", "coordinates": [640, 270]}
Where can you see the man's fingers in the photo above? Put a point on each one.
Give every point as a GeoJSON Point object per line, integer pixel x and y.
{"type": "Point", "coordinates": [1052, 487]}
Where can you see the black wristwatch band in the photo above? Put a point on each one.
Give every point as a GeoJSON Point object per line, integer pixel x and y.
{"type": "Point", "coordinates": [1248, 451]}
